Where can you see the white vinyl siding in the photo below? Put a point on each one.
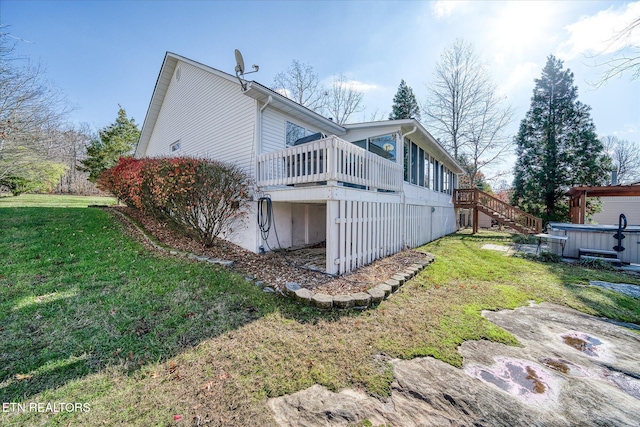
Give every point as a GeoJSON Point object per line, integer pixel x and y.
{"type": "Point", "coordinates": [274, 124]}
{"type": "Point", "coordinates": [612, 207]}
{"type": "Point", "coordinates": [210, 117]}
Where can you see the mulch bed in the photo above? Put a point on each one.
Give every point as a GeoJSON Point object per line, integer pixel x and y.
{"type": "Point", "coordinates": [275, 268]}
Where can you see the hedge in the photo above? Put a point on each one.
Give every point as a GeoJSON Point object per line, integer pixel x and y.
{"type": "Point", "coordinates": [202, 197]}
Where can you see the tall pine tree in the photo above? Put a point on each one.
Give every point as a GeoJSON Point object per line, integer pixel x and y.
{"type": "Point", "coordinates": [557, 146]}
{"type": "Point", "coordinates": [405, 105]}
{"type": "Point", "coordinates": [116, 140]}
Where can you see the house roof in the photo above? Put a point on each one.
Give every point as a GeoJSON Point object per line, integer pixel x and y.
{"type": "Point", "coordinates": [262, 93]}
{"type": "Point", "coordinates": [254, 90]}
{"type": "Point", "coordinates": [606, 191]}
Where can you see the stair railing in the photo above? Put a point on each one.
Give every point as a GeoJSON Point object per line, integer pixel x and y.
{"type": "Point", "coordinates": [474, 198]}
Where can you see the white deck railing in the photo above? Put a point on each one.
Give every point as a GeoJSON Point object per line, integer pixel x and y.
{"type": "Point", "coordinates": [330, 159]}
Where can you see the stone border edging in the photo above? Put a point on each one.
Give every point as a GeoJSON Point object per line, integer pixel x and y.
{"type": "Point", "coordinates": [168, 249]}
{"type": "Point", "coordinates": [358, 300]}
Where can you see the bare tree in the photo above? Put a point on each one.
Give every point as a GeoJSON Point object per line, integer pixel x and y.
{"type": "Point", "coordinates": [375, 116]}
{"type": "Point", "coordinates": [68, 147]}
{"type": "Point", "coordinates": [465, 110]}
{"type": "Point", "coordinates": [623, 62]}
{"type": "Point", "coordinates": [301, 84]}
{"type": "Point", "coordinates": [343, 99]}
{"type": "Point", "coordinates": [453, 96]}
{"type": "Point", "coordinates": [31, 111]}
{"type": "Point", "coordinates": [625, 156]}
{"type": "Point", "coordinates": [487, 140]}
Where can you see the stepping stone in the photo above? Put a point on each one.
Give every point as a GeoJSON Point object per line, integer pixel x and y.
{"type": "Point", "coordinates": [407, 274]}
{"type": "Point", "coordinates": [361, 299]}
{"type": "Point", "coordinates": [377, 295]}
{"type": "Point", "coordinates": [343, 301]}
{"type": "Point", "coordinates": [400, 278]}
{"type": "Point", "coordinates": [425, 262]}
{"type": "Point", "coordinates": [290, 288]}
{"type": "Point", "coordinates": [385, 288]}
{"type": "Point", "coordinates": [269, 290]}
{"type": "Point", "coordinates": [303, 295]}
{"type": "Point", "coordinates": [222, 262]}
{"type": "Point", "coordinates": [322, 301]}
{"type": "Point", "coordinates": [395, 284]}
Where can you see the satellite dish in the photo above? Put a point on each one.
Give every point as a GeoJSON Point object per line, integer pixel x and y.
{"type": "Point", "coordinates": [240, 69]}
{"type": "Point", "coordinates": [239, 62]}
{"type": "Point", "coordinates": [388, 147]}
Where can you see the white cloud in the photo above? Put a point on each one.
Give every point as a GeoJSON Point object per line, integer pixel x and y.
{"type": "Point", "coordinates": [342, 81]}
{"type": "Point", "coordinates": [360, 86]}
{"type": "Point", "coordinates": [596, 34]}
{"type": "Point", "coordinates": [444, 8]}
{"type": "Point", "coordinates": [521, 73]}
{"type": "Point", "coordinates": [517, 28]}
{"type": "Point", "coordinates": [629, 131]}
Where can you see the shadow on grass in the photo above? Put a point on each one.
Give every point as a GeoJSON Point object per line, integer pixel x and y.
{"type": "Point", "coordinates": [77, 296]}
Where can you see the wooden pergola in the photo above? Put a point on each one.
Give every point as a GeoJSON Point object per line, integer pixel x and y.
{"type": "Point", "coordinates": [578, 197]}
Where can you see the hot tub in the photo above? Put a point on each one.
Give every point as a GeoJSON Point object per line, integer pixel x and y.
{"type": "Point", "coordinates": [595, 236]}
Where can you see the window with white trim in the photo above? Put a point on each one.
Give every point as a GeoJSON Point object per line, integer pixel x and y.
{"type": "Point", "coordinates": [294, 132]}
{"type": "Point", "coordinates": [175, 147]}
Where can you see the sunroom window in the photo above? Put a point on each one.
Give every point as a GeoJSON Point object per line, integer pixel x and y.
{"type": "Point", "coordinates": [294, 133]}
{"type": "Point", "coordinates": [383, 146]}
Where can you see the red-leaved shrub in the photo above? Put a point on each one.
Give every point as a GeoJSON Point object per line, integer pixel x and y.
{"type": "Point", "coordinates": [203, 197]}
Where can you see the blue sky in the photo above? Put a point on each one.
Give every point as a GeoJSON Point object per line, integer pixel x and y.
{"type": "Point", "coordinates": [105, 53]}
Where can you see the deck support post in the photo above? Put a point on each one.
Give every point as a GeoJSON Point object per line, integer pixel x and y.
{"type": "Point", "coordinates": [475, 219]}
{"type": "Point", "coordinates": [333, 236]}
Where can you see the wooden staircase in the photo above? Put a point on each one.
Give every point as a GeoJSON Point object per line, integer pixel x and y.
{"type": "Point", "coordinates": [504, 213]}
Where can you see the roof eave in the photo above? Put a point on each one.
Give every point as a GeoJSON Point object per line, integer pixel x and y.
{"type": "Point", "coordinates": [160, 89]}
{"type": "Point", "coordinates": [260, 93]}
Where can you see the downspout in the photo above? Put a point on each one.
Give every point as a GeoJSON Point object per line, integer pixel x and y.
{"type": "Point", "coordinates": [258, 148]}
{"type": "Point", "coordinates": [269, 100]}
{"type": "Point", "coordinates": [402, 195]}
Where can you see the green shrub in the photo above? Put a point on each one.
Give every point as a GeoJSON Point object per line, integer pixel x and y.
{"type": "Point", "coordinates": [202, 197]}
{"type": "Point", "coordinates": [549, 257]}
{"type": "Point", "coordinates": [596, 264]}
{"type": "Point", "coordinates": [523, 239]}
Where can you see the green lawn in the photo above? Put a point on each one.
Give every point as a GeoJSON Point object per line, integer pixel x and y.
{"type": "Point", "coordinates": [53, 201]}
{"type": "Point", "coordinates": [88, 315]}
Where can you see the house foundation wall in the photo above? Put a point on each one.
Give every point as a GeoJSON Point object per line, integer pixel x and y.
{"type": "Point", "coordinates": [308, 224]}
{"type": "Point", "coordinates": [357, 231]}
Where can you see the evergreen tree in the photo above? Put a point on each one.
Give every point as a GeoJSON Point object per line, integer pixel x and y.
{"type": "Point", "coordinates": [405, 105]}
{"type": "Point", "coordinates": [115, 141]}
{"type": "Point", "coordinates": [556, 146]}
